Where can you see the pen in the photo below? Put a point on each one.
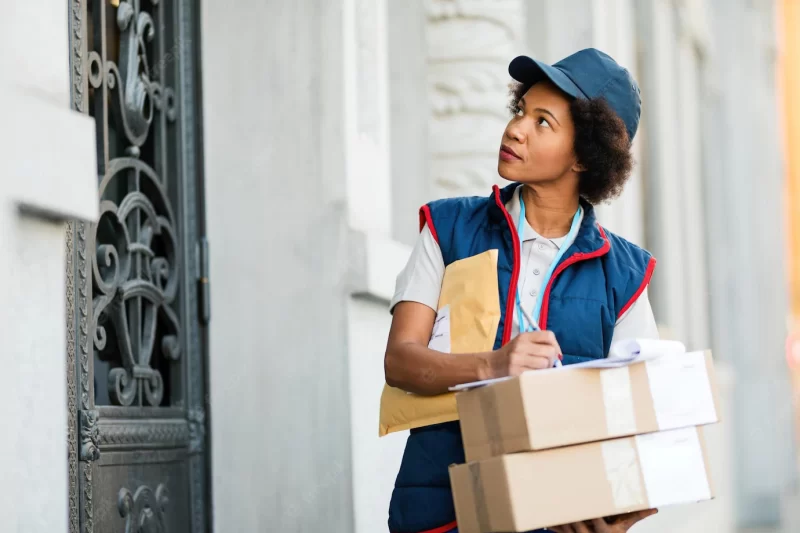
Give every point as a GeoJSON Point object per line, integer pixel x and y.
{"type": "Point", "coordinates": [535, 327]}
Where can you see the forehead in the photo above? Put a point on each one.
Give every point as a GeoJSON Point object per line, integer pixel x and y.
{"type": "Point", "coordinates": [545, 94]}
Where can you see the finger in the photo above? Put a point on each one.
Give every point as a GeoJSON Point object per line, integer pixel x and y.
{"type": "Point", "coordinates": [545, 337]}
{"type": "Point", "coordinates": [581, 527]}
{"type": "Point", "coordinates": [566, 528]}
{"type": "Point", "coordinates": [632, 518]}
{"type": "Point", "coordinates": [537, 349]}
{"type": "Point", "coordinates": [533, 358]}
{"type": "Point", "coordinates": [600, 526]}
{"type": "Point", "coordinates": [543, 350]}
{"type": "Point", "coordinates": [521, 362]}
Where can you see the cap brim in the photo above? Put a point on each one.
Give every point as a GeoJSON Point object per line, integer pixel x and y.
{"type": "Point", "coordinates": [527, 70]}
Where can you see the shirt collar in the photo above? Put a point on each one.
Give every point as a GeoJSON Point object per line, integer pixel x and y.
{"type": "Point", "coordinates": [591, 238]}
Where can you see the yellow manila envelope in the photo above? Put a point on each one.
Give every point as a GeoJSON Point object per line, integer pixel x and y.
{"type": "Point", "coordinates": [466, 322]}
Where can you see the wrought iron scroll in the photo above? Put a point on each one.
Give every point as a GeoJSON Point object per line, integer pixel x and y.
{"type": "Point", "coordinates": [135, 281]}
{"type": "Point", "coordinates": [136, 264]}
{"type": "Point", "coordinates": [144, 510]}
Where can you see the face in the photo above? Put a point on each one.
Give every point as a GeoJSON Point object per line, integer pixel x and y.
{"type": "Point", "coordinates": [537, 144]}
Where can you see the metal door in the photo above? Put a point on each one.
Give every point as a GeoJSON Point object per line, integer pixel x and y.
{"type": "Point", "coordinates": [136, 289]}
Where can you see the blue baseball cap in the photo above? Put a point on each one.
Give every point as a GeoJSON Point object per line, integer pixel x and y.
{"type": "Point", "coordinates": [589, 73]}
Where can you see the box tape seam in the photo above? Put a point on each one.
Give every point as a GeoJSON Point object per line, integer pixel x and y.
{"type": "Point", "coordinates": [621, 462]}
{"type": "Point", "coordinates": [618, 401]}
{"type": "Point", "coordinates": [491, 419]}
{"type": "Point", "coordinates": [481, 509]}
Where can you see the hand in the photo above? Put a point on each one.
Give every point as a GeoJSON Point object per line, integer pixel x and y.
{"type": "Point", "coordinates": [613, 524]}
{"type": "Point", "coordinates": [529, 351]}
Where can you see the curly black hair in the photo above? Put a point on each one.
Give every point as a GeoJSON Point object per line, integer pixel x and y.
{"type": "Point", "coordinates": [601, 145]}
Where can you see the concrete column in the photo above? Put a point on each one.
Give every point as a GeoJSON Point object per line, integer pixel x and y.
{"type": "Point", "coordinates": [276, 138]}
{"type": "Point", "coordinates": [410, 113]}
{"type": "Point", "coordinates": [545, 21]}
{"type": "Point", "coordinates": [366, 116]}
{"type": "Point", "coordinates": [746, 246]}
{"type": "Point", "coordinates": [615, 33]}
{"type": "Point", "coordinates": [666, 223]}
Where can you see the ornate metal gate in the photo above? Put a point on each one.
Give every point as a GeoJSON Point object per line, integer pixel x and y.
{"type": "Point", "coordinates": [136, 306]}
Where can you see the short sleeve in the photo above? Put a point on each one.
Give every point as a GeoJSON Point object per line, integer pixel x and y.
{"type": "Point", "coordinates": [421, 279]}
{"type": "Point", "coordinates": [638, 322]}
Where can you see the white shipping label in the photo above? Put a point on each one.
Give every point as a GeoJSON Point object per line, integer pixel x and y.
{"type": "Point", "coordinates": [440, 337]}
{"type": "Point", "coordinates": [623, 474]}
{"type": "Point", "coordinates": [681, 390]}
{"type": "Point", "coordinates": [618, 401]}
{"type": "Point", "coordinates": [673, 467]}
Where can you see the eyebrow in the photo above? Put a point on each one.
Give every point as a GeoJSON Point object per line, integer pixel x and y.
{"type": "Point", "coordinates": [545, 111]}
{"type": "Point", "coordinates": [539, 109]}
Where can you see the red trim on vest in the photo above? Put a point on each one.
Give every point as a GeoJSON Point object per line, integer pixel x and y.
{"type": "Point", "coordinates": [651, 265]}
{"type": "Point", "coordinates": [425, 216]}
{"type": "Point", "coordinates": [574, 258]}
{"type": "Point", "coordinates": [512, 287]}
{"type": "Point", "coordinates": [442, 529]}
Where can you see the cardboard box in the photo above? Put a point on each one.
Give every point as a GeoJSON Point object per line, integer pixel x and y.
{"type": "Point", "coordinates": [531, 490]}
{"type": "Point", "coordinates": [565, 406]}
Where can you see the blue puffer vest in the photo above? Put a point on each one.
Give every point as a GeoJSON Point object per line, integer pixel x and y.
{"type": "Point", "coordinates": [596, 281]}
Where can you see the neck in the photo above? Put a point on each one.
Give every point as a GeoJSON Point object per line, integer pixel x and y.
{"type": "Point", "coordinates": [549, 210]}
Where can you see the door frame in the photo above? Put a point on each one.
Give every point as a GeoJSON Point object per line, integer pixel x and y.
{"type": "Point", "coordinates": [88, 435]}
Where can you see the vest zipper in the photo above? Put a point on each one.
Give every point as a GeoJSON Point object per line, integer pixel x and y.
{"type": "Point", "coordinates": [512, 286]}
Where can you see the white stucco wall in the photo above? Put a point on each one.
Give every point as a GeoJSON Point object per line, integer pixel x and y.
{"type": "Point", "coordinates": [47, 164]}
{"type": "Point", "coordinates": [274, 131]}
{"type": "Point", "coordinates": [376, 461]}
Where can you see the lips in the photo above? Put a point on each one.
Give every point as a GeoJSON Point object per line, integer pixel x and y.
{"type": "Point", "coordinates": [507, 154]}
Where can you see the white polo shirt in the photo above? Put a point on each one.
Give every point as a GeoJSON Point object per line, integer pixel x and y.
{"type": "Point", "coordinates": [421, 279]}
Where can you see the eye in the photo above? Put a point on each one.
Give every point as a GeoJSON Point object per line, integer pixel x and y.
{"type": "Point", "coordinates": [518, 111]}
{"type": "Point", "coordinates": [543, 122]}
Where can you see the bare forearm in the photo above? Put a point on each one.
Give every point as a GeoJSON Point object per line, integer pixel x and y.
{"type": "Point", "coordinates": [418, 369]}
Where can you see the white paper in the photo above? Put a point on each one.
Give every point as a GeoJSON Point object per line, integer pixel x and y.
{"type": "Point", "coordinates": [622, 353]}
{"type": "Point", "coordinates": [681, 391]}
{"type": "Point", "coordinates": [630, 351]}
{"type": "Point", "coordinates": [440, 337]}
{"type": "Point", "coordinates": [644, 349]}
{"type": "Point", "coordinates": [618, 401]}
{"type": "Point", "coordinates": [476, 384]}
{"type": "Point", "coordinates": [673, 467]}
{"type": "Point", "coordinates": [623, 474]}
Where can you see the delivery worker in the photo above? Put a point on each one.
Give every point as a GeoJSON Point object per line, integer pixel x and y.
{"type": "Point", "coordinates": [567, 286]}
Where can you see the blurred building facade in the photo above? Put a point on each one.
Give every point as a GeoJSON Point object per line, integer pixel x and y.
{"type": "Point", "coordinates": [789, 85]}
{"type": "Point", "coordinates": [322, 127]}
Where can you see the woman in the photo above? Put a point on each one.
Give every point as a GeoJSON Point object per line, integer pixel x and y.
{"type": "Point", "coordinates": [567, 287]}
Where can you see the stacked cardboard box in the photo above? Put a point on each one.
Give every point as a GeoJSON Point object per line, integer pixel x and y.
{"type": "Point", "coordinates": [571, 444]}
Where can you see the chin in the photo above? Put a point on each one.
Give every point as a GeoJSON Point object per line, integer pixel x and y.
{"type": "Point", "coordinates": [504, 173]}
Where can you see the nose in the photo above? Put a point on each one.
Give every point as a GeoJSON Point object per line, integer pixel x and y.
{"type": "Point", "coordinates": [515, 133]}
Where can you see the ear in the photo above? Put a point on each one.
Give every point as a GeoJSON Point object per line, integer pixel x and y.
{"type": "Point", "coordinates": [578, 167]}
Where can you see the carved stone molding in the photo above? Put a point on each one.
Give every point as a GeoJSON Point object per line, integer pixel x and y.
{"type": "Point", "coordinates": [72, 391]}
{"type": "Point", "coordinates": [90, 450]}
{"type": "Point", "coordinates": [197, 430]}
{"type": "Point", "coordinates": [119, 435]}
{"type": "Point", "coordinates": [470, 43]}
